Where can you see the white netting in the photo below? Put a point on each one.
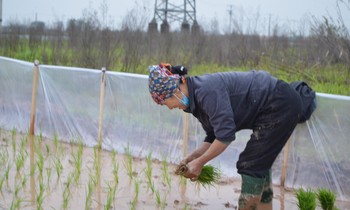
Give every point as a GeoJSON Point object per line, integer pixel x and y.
{"type": "Point", "coordinates": [68, 104]}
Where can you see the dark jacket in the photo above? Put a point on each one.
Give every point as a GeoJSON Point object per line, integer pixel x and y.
{"type": "Point", "coordinates": [227, 102]}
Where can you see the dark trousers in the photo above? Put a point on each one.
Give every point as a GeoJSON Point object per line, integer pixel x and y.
{"type": "Point", "coordinates": [272, 128]}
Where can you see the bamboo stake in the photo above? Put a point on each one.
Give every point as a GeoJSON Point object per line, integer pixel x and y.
{"type": "Point", "coordinates": [285, 160]}
{"type": "Point", "coordinates": [102, 95]}
{"type": "Point", "coordinates": [31, 128]}
{"type": "Point", "coordinates": [185, 134]}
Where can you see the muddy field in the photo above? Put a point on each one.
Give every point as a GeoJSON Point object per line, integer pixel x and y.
{"type": "Point", "coordinates": [71, 176]}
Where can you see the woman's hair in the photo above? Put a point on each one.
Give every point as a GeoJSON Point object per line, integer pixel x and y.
{"type": "Point", "coordinates": [179, 69]}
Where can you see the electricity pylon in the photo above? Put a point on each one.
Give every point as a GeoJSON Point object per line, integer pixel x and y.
{"type": "Point", "coordinates": [167, 12]}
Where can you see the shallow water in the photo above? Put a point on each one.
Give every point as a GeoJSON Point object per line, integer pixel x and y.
{"type": "Point", "coordinates": [131, 192]}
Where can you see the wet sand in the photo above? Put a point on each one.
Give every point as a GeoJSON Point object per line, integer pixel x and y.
{"type": "Point", "coordinates": [126, 174]}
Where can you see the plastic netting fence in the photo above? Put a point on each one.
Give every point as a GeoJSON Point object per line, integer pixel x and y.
{"type": "Point", "coordinates": [68, 104]}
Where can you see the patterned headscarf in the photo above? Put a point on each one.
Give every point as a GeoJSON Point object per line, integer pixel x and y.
{"type": "Point", "coordinates": [162, 83]}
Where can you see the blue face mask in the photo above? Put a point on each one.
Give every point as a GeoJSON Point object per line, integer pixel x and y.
{"type": "Point", "coordinates": [185, 100]}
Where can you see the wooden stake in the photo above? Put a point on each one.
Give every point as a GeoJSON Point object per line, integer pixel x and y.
{"type": "Point", "coordinates": [285, 160]}
{"type": "Point", "coordinates": [102, 96]}
{"type": "Point", "coordinates": [31, 128]}
{"type": "Point", "coordinates": [185, 134]}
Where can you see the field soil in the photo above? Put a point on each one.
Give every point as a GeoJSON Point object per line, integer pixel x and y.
{"type": "Point", "coordinates": [121, 181]}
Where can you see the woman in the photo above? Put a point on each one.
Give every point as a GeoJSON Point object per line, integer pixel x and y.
{"type": "Point", "coordinates": [225, 103]}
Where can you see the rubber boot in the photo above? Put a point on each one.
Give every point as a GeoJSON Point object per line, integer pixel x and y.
{"type": "Point", "coordinates": [267, 194]}
{"type": "Point", "coordinates": [251, 192]}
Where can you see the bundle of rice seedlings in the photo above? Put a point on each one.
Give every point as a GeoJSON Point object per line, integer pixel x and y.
{"type": "Point", "coordinates": [306, 199]}
{"type": "Point", "coordinates": [327, 199]}
{"type": "Point", "coordinates": [209, 176]}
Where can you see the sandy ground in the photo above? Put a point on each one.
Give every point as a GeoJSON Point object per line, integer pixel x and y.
{"type": "Point", "coordinates": [121, 182]}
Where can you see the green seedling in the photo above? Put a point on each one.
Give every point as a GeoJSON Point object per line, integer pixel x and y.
{"type": "Point", "coordinates": [136, 196]}
{"type": "Point", "coordinates": [58, 167]}
{"type": "Point", "coordinates": [128, 162]}
{"type": "Point", "coordinates": [78, 161]}
{"type": "Point", "coordinates": [208, 176]}
{"type": "Point", "coordinates": [327, 199]}
{"type": "Point", "coordinates": [67, 193]}
{"type": "Point", "coordinates": [306, 199]}
{"type": "Point", "coordinates": [40, 163]}
{"type": "Point", "coordinates": [20, 159]}
{"type": "Point", "coordinates": [47, 150]}
{"type": "Point", "coordinates": [115, 173]}
{"type": "Point", "coordinates": [90, 189]}
{"type": "Point", "coordinates": [16, 203]}
{"type": "Point", "coordinates": [40, 138]}
{"type": "Point", "coordinates": [4, 156]}
{"type": "Point", "coordinates": [18, 187]}
{"type": "Point", "coordinates": [24, 142]}
{"type": "Point", "coordinates": [40, 196]}
{"type": "Point", "coordinates": [161, 204]}
{"type": "Point", "coordinates": [149, 172]}
{"type": "Point", "coordinates": [7, 171]}
{"type": "Point", "coordinates": [166, 175]}
{"type": "Point", "coordinates": [13, 135]}
{"type": "Point", "coordinates": [158, 199]}
{"type": "Point", "coordinates": [110, 196]}
{"type": "Point", "coordinates": [55, 141]}
{"type": "Point", "coordinates": [2, 179]}
{"type": "Point", "coordinates": [24, 181]}
{"type": "Point", "coordinates": [48, 175]}
{"type": "Point", "coordinates": [96, 164]}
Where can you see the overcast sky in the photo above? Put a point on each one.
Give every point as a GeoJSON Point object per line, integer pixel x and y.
{"type": "Point", "coordinates": [291, 13]}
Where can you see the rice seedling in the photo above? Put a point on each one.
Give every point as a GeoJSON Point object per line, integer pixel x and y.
{"type": "Point", "coordinates": [160, 203]}
{"type": "Point", "coordinates": [78, 161]}
{"type": "Point", "coordinates": [17, 188]}
{"type": "Point", "coordinates": [47, 150]}
{"type": "Point", "coordinates": [24, 181]}
{"type": "Point", "coordinates": [7, 171]}
{"type": "Point", "coordinates": [136, 196]}
{"type": "Point", "coordinates": [16, 203]}
{"type": "Point", "coordinates": [110, 196]}
{"type": "Point", "coordinates": [208, 176]}
{"type": "Point", "coordinates": [149, 172]}
{"type": "Point", "coordinates": [4, 156]}
{"type": "Point", "coordinates": [58, 167]}
{"type": "Point", "coordinates": [48, 176]}
{"type": "Point", "coordinates": [158, 199]}
{"type": "Point", "coordinates": [40, 163]}
{"type": "Point", "coordinates": [24, 142]}
{"type": "Point", "coordinates": [90, 190]}
{"type": "Point", "coordinates": [96, 164]}
{"type": "Point", "coordinates": [55, 141]}
{"type": "Point", "coordinates": [115, 173]}
{"type": "Point", "coordinates": [114, 156]}
{"type": "Point", "coordinates": [306, 199]}
{"type": "Point", "coordinates": [13, 135]}
{"type": "Point", "coordinates": [2, 179]}
{"type": "Point", "coordinates": [67, 193]}
{"type": "Point", "coordinates": [40, 195]}
{"type": "Point", "coordinates": [128, 162]}
{"type": "Point", "coordinates": [165, 173]}
{"type": "Point", "coordinates": [20, 159]}
{"type": "Point", "coordinates": [40, 138]}
{"type": "Point", "coordinates": [327, 199]}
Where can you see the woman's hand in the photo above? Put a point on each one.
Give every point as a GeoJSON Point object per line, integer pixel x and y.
{"type": "Point", "coordinates": [194, 169]}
